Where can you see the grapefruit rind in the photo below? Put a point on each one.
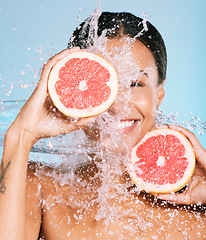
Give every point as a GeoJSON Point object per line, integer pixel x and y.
{"type": "Point", "coordinates": [91, 111]}
{"type": "Point", "coordinates": [167, 188]}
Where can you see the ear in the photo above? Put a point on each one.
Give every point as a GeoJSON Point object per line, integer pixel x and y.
{"type": "Point", "coordinates": [160, 93]}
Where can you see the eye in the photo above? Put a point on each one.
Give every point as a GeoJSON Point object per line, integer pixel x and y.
{"type": "Point", "coordinates": [137, 84]}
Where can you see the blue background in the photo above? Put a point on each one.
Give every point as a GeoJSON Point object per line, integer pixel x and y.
{"type": "Point", "coordinates": [33, 31]}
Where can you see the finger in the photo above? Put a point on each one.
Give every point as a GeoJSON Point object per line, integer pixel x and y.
{"type": "Point", "coordinates": [178, 198]}
{"type": "Point", "coordinates": [191, 136]}
{"type": "Point", "coordinates": [84, 121]}
{"type": "Point", "coordinates": [65, 126]}
{"type": "Point", "coordinates": [161, 126]}
{"type": "Point", "coordinates": [199, 150]}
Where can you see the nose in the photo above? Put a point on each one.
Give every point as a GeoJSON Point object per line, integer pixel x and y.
{"type": "Point", "coordinates": [121, 102]}
{"type": "Point", "coordinates": [119, 106]}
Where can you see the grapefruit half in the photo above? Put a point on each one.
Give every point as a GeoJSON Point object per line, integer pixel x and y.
{"type": "Point", "coordinates": [162, 162]}
{"type": "Point", "coordinates": [83, 84]}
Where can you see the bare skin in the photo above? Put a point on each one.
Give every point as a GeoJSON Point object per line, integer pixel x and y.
{"type": "Point", "coordinates": [75, 210]}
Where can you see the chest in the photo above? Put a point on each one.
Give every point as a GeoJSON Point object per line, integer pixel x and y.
{"type": "Point", "coordinates": [120, 221]}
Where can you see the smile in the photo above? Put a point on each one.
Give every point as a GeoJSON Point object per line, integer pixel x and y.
{"type": "Point", "coordinates": [125, 126]}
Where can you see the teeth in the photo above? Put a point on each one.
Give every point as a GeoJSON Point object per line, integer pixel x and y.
{"type": "Point", "coordinates": [124, 124]}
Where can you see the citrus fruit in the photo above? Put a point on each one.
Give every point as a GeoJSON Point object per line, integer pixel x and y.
{"type": "Point", "coordinates": [162, 162]}
{"type": "Point", "coordinates": [83, 84]}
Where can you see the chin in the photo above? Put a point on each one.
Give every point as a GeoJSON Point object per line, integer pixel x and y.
{"type": "Point", "coordinates": [114, 142]}
{"type": "Point", "coordinates": [134, 138]}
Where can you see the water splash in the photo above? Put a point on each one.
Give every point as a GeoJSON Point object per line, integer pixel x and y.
{"type": "Point", "coordinates": [193, 123]}
{"type": "Point", "coordinates": [115, 202]}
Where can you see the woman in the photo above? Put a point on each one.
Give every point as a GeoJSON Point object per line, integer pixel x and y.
{"type": "Point", "coordinates": [99, 202]}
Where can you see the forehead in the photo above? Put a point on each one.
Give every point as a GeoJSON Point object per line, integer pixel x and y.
{"type": "Point", "coordinates": [141, 55]}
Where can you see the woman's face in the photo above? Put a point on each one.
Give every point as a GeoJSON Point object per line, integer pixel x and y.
{"type": "Point", "coordinates": [145, 94]}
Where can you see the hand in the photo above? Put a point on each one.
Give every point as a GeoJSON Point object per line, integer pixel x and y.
{"type": "Point", "coordinates": [39, 116]}
{"type": "Point", "coordinates": [195, 192]}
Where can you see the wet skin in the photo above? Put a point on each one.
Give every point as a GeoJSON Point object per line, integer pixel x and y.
{"type": "Point", "coordinates": [71, 212]}
{"type": "Point", "coordinates": [75, 209]}
{"type": "Point", "coordinates": [146, 94]}
{"type": "Point", "coordinates": [62, 209]}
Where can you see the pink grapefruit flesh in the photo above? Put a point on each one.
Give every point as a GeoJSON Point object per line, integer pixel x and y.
{"type": "Point", "coordinates": [83, 84]}
{"type": "Point", "coordinates": [162, 162]}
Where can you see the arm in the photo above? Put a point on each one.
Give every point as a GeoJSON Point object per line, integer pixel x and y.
{"type": "Point", "coordinates": [195, 192]}
{"type": "Point", "coordinates": [13, 184]}
{"type": "Point", "coordinates": [36, 120]}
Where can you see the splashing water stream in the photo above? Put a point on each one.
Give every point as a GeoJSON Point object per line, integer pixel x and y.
{"type": "Point", "coordinates": [76, 150]}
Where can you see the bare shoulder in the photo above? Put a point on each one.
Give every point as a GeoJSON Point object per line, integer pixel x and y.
{"type": "Point", "coordinates": [40, 184]}
{"type": "Point", "coordinates": [33, 203]}
{"type": "Point", "coordinates": [40, 180]}
{"type": "Point", "coordinates": [41, 190]}
{"type": "Point", "coordinates": [71, 208]}
{"type": "Point", "coordinates": [44, 181]}
{"type": "Point", "coordinates": [33, 184]}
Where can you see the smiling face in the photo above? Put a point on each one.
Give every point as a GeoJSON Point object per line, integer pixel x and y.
{"type": "Point", "coordinates": [134, 121]}
{"type": "Point", "coordinates": [146, 94]}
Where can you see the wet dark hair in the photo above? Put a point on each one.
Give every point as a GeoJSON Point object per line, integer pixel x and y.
{"type": "Point", "coordinates": [121, 24]}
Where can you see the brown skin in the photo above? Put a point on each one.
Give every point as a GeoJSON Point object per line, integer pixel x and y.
{"type": "Point", "coordinates": [70, 211]}
{"type": "Point", "coordinates": [145, 98]}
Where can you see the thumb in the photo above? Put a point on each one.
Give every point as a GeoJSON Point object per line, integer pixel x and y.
{"type": "Point", "coordinates": [178, 198]}
{"type": "Point", "coordinates": [64, 126]}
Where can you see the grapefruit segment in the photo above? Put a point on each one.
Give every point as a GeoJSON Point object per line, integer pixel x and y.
{"type": "Point", "coordinates": [162, 162]}
{"type": "Point", "coordinates": [83, 84]}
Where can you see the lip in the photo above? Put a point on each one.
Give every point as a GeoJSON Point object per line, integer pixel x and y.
{"type": "Point", "coordinates": [130, 128]}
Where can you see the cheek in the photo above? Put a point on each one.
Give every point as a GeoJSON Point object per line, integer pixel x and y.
{"type": "Point", "coordinates": [145, 101]}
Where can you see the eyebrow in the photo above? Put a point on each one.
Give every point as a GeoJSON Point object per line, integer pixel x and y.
{"type": "Point", "coordinates": [143, 72]}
